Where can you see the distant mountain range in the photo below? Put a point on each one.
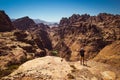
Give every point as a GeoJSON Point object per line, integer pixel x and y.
{"type": "Point", "coordinates": [12, 20]}
{"type": "Point", "coordinates": [38, 21]}
{"type": "Point", "coordinates": [51, 24]}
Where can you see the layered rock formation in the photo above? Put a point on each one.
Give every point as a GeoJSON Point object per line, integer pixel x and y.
{"type": "Point", "coordinates": [41, 36]}
{"type": "Point", "coordinates": [18, 46]}
{"type": "Point", "coordinates": [37, 31]}
{"type": "Point", "coordinates": [5, 23]}
{"type": "Point", "coordinates": [15, 50]}
{"type": "Point", "coordinates": [91, 32]}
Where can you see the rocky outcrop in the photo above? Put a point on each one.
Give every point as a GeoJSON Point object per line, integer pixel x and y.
{"type": "Point", "coordinates": [43, 26]}
{"type": "Point", "coordinates": [5, 23]}
{"type": "Point", "coordinates": [11, 48]}
{"type": "Point", "coordinates": [43, 68]}
{"type": "Point", "coordinates": [41, 36]}
{"type": "Point", "coordinates": [39, 33]}
{"type": "Point", "coordinates": [91, 32]}
{"type": "Point", "coordinates": [63, 50]}
{"type": "Point", "coordinates": [55, 68]}
{"type": "Point", "coordinates": [23, 23]}
{"type": "Point", "coordinates": [17, 47]}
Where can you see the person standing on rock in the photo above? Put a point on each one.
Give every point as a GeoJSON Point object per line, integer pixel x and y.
{"type": "Point", "coordinates": [82, 53]}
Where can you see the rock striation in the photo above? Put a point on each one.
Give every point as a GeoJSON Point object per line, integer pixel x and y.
{"type": "Point", "coordinates": [18, 46]}
{"type": "Point", "coordinates": [41, 36]}
{"type": "Point", "coordinates": [39, 32]}
{"type": "Point", "coordinates": [91, 32]}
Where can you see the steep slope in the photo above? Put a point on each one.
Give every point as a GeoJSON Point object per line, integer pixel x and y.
{"type": "Point", "coordinates": [91, 32]}
{"type": "Point", "coordinates": [37, 31]}
{"type": "Point", "coordinates": [55, 68]}
{"type": "Point", "coordinates": [41, 36]}
{"type": "Point", "coordinates": [23, 23]}
{"type": "Point", "coordinates": [110, 55]}
{"type": "Point", "coordinates": [18, 46]}
{"type": "Point", "coordinates": [5, 23]}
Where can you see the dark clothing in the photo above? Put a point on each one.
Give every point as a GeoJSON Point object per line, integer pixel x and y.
{"type": "Point", "coordinates": [82, 52]}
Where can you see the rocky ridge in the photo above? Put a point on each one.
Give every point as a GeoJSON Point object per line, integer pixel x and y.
{"type": "Point", "coordinates": [23, 23]}
{"type": "Point", "coordinates": [41, 36]}
{"type": "Point", "coordinates": [37, 31]}
{"type": "Point", "coordinates": [18, 46]}
{"type": "Point", "coordinates": [5, 23]}
{"type": "Point", "coordinates": [91, 32]}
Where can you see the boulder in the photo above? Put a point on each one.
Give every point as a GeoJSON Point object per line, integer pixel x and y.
{"type": "Point", "coordinates": [42, 68]}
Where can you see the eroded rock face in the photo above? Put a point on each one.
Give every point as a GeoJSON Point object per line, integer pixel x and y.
{"type": "Point", "coordinates": [91, 32]}
{"type": "Point", "coordinates": [41, 36]}
{"type": "Point", "coordinates": [5, 23]}
{"type": "Point", "coordinates": [16, 46]}
{"type": "Point", "coordinates": [23, 23]}
{"type": "Point", "coordinates": [64, 50]}
{"type": "Point", "coordinates": [39, 32]}
{"type": "Point", "coordinates": [13, 50]}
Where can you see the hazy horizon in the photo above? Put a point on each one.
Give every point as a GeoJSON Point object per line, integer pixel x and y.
{"type": "Point", "coordinates": [54, 10]}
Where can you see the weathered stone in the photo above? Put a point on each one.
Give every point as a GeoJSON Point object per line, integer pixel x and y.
{"type": "Point", "coordinates": [47, 67]}
{"type": "Point", "coordinates": [108, 75]}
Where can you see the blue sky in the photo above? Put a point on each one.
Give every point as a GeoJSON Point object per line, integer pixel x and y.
{"type": "Point", "coordinates": [54, 10]}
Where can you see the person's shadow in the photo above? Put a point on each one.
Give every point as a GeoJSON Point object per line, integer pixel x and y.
{"type": "Point", "coordinates": [85, 64]}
